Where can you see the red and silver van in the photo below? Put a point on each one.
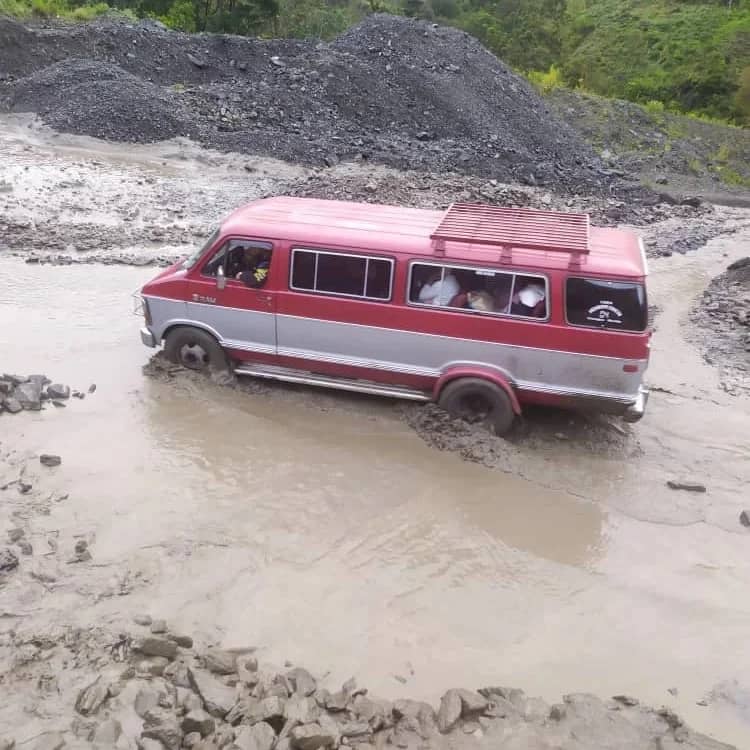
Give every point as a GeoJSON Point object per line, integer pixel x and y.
{"type": "Point", "coordinates": [479, 308]}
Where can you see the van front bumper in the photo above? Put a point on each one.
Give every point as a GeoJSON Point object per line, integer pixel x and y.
{"type": "Point", "coordinates": [148, 338]}
{"type": "Point", "coordinates": [637, 409]}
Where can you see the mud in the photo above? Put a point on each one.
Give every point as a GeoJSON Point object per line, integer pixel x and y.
{"type": "Point", "coordinates": [352, 535]}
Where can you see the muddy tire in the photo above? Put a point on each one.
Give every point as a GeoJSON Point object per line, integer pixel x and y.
{"type": "Point", "coordinates": [195, 349]}
{"type": "Point", "coordinates": [478, 400]}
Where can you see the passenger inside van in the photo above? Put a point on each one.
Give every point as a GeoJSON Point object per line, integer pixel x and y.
{"type": "Point", "coordinates": [529, 300]}
{"type": "Point", "coordinates": [439, 289]}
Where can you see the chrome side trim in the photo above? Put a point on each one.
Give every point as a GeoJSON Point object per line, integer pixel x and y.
{"type": "Point", "coordinates": [342, 384]}
{"type": "Point", "coordinates": [575, 392]}
{"type": "Point", "coordinates": [243, 346]}
{"type": "Point", "coordinates": [374, 364]}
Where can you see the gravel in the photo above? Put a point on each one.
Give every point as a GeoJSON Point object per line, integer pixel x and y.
{"type": "Point", "coordinates": [391, 90]}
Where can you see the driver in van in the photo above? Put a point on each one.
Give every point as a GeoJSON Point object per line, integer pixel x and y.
{"type": "Point", "coordinates": [256, 263]}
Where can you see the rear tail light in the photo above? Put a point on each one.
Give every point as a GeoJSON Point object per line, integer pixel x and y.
{"type": "Point", "coordinates": [630, 368]}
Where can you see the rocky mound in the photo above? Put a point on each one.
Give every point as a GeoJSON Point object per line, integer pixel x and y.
{"type": "Point", "coordinates": [157, 690]}
{"type": "Point", "coordinates": [391, 90]}
{"type": "Point", "coordinates": [723, 314]}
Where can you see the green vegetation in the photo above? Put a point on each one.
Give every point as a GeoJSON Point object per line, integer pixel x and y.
{"type": "Point", "coordinates": [688, 56]}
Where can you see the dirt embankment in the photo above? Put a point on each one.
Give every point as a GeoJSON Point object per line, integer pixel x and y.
{"type": "Point", "coordinates": [668, 152]}
{"type": "Point", "coordinates": [393, 91]}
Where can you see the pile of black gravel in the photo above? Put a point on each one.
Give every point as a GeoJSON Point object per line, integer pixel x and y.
{"type": "Point", "coordinates": [394, 91]}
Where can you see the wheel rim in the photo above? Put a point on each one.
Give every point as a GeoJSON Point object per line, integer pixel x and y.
{"type": "Point", "coordinates": [194, 356]}
{"type": "Point", "coordinates": [474, 407]}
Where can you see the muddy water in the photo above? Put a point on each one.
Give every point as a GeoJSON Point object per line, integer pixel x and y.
{"type": "Point", "coordinates": [321, 527]}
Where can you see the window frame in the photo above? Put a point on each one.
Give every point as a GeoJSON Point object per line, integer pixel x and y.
{"type": "Point", "coordinates": [260, 244]}
{"type": "Point", "coordinates": [345, 254]}
{"type": "Point", "coordinates": [191, 261]}
{"type": "Point", "coordinates": [604, 329]}
{"type": "Point", "coordinates": [510, 272]}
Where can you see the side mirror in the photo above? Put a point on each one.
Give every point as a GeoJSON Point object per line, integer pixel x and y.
{"type": "Point", "coordinates": [221, 279]}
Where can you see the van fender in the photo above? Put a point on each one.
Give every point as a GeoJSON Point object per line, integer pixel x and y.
{"type": "Point", "coordinates": [498, 377]}
{"type": "Point", "coordinates": [177, 323]}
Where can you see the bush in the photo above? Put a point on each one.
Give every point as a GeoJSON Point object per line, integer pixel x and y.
{"type": "Point", "coordinates": [546, 82]}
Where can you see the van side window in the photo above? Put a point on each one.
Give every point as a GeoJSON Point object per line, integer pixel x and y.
{"type": "Point", "coordinates": [597, 303]}
{"type": "Point", "coordinates": [242, 260]}
{"type": "Point", "coordinates": [482, 290]}
{"type": "Point", "coordinates": [341, 273]}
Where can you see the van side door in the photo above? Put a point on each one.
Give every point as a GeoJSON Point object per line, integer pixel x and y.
{"type": "Point", "coordinates": [232, 294]}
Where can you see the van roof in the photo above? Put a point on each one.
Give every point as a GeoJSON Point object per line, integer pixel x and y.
{"type": "Point", "coordinates": [396, 229]}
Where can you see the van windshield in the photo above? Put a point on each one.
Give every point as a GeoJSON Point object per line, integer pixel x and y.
{"type": "Point", "coordinates": [191, 260]}
{"type": "Point", "coordinates": [598, 303]}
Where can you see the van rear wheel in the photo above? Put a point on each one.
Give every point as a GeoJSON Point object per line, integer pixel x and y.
{"type": "Point", "coordinates": [195, 349]}
{"type": "Point", "coordinates": [478, 400]}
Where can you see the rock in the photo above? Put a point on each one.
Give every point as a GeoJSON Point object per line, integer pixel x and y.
{"type": "Point", "coordinates": [156, 646]}
{"type": "Point", "coordinates": [311, 737]}
{"type": "Point", "coordinates": [244, 707]}
{"type": "Point", "coordinates": [91, 698]}
{"type": "Point", "coordinates": [302, 709]}
{"type": "Point", "coordinates": [144, 743]}
{"type": "Point", "coordinates": [197, 61]}
{"type": "Point", "coordinates": [14, 535]}
{"type": "Point", "coordinates": [218, 699]}
{"type": "Point", "coordinates": [188, 700]}
{"type": "Point", "coordinates": [302, 681]}
{"type": "Point", "coordinates": [191, 740]}
{"type": "Point", "coordinates": [450, 711]}
{"type": "Point", "coordinates": [92, 388]}
{"type": "Point", "coordinates": [108, 732]}
{"type": "Point", "coordinates": [183, 641]}
{"type": "Point", "coordinates": [154, 665]}
{"type": "Point", "coordinates": [179, 675]}
{"type": "Point", "coordinates": [161, 725]}
{"type": "Point", "coordinates": [12, 405]}
{"type": "Point", "coordinates": [146, 699]}
{"type": "Point", "coordinates": [270, 709]}
{"type": "Point", "coordinates": [29, 395]}
{"type": "Point", "coordinates": [58, 391]}
{"type": "Point", "coordinates": [471, 703]}
{"type": "Point", "coordinates": [144, 620]}
{"type": "Point", "coordinates": [159, 626]}
{"type": "Point", "coordinates": [378, 714]}
{"type": "Point", "coordinates": [687, 486]}
{"type": "Point", "coordinates": [745, 518]}
{"type": "Point", "coordinates": [258, 737]}
{"type": "Point", "coordinates": [6, 387]}
{"type": "Point", "coordinates": [198, 721]}
{"type": "Point", "coordinates": [219, 661]}
{"type": "Point", "coordinates": [50, 741]}
{"type": "Point", "coordinates": [25, 547]}
{"type": "Point", "coordinates": [81, 546]}
{"type": "Point", "coordinates": [8, 560]}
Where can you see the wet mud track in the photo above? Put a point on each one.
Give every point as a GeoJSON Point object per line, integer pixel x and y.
{"type": "Point", "coordinates": [358, 535]}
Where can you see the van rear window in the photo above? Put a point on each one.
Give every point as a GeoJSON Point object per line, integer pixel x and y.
{"type": "Point", "coordinates": [597, 303]}
{"type": "Point", "coordinates": [341, 274]}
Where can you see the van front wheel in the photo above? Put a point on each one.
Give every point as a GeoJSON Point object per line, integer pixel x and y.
{"type": "Point", "coordinates": [478, 400]}
{"type": "Point", "coordinates": [195, 349]}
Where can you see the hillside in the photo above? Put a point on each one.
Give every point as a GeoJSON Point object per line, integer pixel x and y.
{"type": "Point", "coordinates": [690, 56]}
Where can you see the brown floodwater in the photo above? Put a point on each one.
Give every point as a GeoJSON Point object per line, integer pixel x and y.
{"type": "Point", "coordinates": [323, 529]}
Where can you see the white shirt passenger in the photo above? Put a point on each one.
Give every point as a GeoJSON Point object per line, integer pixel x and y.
{"type": "Point", "coordinates": [440, 292]}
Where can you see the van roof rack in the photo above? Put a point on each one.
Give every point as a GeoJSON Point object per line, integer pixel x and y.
{"type": "Point", "coordinates": [508, 228]}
